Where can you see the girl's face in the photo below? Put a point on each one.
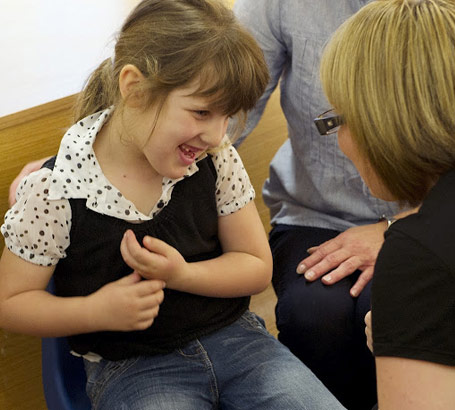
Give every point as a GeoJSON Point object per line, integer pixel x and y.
{"type": "Point", "coordinates": [185, 129]}
{"type": "Point", "coordinates": [371, 179]}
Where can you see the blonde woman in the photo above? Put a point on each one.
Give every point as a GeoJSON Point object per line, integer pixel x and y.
{"type": "Point", "coordinates": [389, 73]}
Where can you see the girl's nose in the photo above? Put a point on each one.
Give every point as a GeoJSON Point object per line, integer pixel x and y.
{"type": "Point", "coordinates": [215, 131]}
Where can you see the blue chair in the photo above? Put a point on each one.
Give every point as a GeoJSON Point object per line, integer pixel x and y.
{"type": "Point", "coordinates": [63, 374]}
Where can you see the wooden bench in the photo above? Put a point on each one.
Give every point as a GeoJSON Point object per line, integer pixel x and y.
{"type": "Point", "coordinates": [36, 133]}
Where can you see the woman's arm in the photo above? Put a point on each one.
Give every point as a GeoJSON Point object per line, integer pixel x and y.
{"type": "Point", "coordinates": [244, 268]}
{"type": "Point", "coordinates": [26, 307]}
{"type": "Point", "coordinates": [407, 384]}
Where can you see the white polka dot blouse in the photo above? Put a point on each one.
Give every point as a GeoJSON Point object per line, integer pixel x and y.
{"type": "Point", "coordinates": [37, 228]}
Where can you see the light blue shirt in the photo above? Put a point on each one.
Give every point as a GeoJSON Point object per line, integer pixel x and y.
{"type": "Point", "coordinates": [311, 182]}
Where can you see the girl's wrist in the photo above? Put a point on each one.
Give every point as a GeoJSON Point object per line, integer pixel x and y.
{"type": "Point", "coordinates": [90, 309]}
{"type": "Point", "coordinates": [183, 278]}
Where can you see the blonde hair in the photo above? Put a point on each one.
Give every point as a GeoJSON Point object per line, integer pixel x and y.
{"type": "Point", "coordinates": [390, 72]}
{"type": "Point", "coordinates": [173, 42]}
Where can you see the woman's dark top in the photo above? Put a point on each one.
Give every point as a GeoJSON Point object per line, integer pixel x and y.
{"type": "Point", "coordinates": [413, 294]}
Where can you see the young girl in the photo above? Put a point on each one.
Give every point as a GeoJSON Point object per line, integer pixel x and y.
{"type": "Point", "coordinates": [146, 192]}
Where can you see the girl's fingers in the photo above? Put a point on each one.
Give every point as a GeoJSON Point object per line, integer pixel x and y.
{"type": "Point", "coordinates": [133, 254]}
{"type": "Point", "coordinates": [156, 245]}
{"type": "Point", "coordinates": [152, 287]}
{"type": "Point", "coordinates": [130, 279]}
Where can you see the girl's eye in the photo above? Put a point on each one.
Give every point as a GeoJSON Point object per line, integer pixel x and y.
{"type": "Point", "coordinates": [202, 113]}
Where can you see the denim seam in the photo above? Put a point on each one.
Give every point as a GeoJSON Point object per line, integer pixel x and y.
{"type": "Point", "coordinates": [249, 321]}
{"type": "Point", "coordinates": [112, 370]}
{"type": "Point", "coordinates": [209, 366]}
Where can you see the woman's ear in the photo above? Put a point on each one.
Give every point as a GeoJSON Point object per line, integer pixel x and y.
{"type": "Point", "coordinates": [130, 80]}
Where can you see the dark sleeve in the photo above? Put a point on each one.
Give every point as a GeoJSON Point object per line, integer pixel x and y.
{"type": "Point", "coordinates": [413, 303]}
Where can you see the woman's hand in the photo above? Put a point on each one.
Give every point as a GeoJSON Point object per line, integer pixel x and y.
{"type": "Point", "coordinates": [368, 331]}
{"type": "Point", "coordinates": [127, 304]}
{"type": "Point", "coordinates": [356, 248]}
{"type": "Point", "coordinates": [156, 260]}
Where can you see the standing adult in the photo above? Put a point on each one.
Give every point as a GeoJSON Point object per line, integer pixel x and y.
{"type": "Point", "coordinates": [317, 200]}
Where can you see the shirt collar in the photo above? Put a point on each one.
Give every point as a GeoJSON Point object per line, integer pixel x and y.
{"type": "Point", "coordinates": [77, 173]}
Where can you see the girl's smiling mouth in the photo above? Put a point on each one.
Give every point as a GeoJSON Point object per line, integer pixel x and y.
{"type": "Point", "coordinates": [188, 153]}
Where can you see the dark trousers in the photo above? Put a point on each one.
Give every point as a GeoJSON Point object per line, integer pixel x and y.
{"type": "Point", "coordinates": [323, 325]}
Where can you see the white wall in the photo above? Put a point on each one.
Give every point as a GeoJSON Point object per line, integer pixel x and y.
{"type": "Point", "coordinates": [49, 47]}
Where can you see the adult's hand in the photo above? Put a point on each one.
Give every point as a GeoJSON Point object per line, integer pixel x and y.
{"type": "Point", "coordinates": [356, 248]}
{"type": "Point", "coordinates": [28, 169]}
{"type": "Point", "coordinates": [368, 331]}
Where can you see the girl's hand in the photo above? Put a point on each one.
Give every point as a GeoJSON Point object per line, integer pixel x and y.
{"type": "Point", "coordinates": [127, 304]}
{"type": "Point", "coordinates": [156, 260]}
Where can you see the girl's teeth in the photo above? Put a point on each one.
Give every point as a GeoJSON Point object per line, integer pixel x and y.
{"type": "Point", "coordinates": [187, 152]}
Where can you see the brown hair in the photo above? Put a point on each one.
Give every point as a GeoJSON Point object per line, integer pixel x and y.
{"type": "Point", "coordinates": [172, 42]}
{"type": "Point", "coordinates": [390, 72]}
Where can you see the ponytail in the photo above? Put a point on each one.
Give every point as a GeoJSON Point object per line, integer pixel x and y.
{"type": "Point", "coordinates": [99, 91]}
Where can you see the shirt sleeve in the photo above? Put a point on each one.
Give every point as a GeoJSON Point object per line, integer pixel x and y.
{"type": "Point", "coordinates": [37, 229]}
{"type": "Point", "coordinates": [413, 305]}
{"type": "Point", "coordinates": [233, 186]}
{"type": "Point", "coordinates": [262, 19]}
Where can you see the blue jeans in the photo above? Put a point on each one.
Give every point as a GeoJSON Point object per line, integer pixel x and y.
{"type": "Point", "coordinates": [323, 325]}
{"type": "Point", "coordinates": [238, 367]}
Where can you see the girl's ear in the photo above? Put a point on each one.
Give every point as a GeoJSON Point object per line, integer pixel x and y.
{"type": "Point", "coordinates": [130, 80]}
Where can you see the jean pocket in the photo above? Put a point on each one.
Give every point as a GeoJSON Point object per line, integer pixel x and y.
{"type": "Point", "coordinates": [251, 321]}
{"type": "Point", "coordinates": [102, 373]}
